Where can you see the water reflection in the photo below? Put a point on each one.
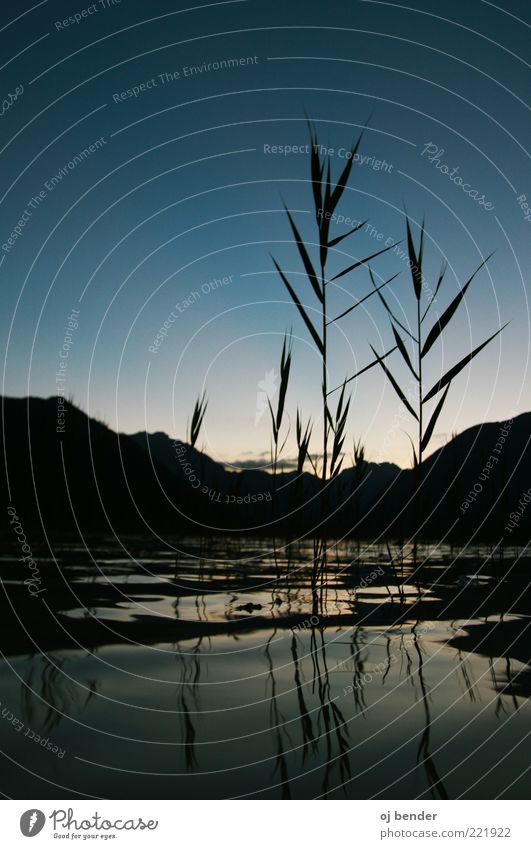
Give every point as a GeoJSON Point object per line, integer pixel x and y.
{"type": "Point", "coordinates": [48, 693]}
{"type": "Point", "coordinates": [156, 664]}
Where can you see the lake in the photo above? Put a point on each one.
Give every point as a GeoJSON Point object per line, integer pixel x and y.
{"type": "Point", "coordinates": [208, 668]}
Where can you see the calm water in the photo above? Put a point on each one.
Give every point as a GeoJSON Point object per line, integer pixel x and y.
{"type": "Point", "coordinates": [207, 670]}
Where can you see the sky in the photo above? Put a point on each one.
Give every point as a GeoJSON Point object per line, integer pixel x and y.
{"type": "Point", "coordinates": [143, 182]}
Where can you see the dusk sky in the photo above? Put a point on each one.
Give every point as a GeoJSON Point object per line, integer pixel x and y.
{"type": "Point", "coordinates": [177, 206]}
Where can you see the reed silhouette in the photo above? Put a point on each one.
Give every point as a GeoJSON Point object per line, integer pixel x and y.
{"type": "Point", "coordinates": [422, 345]}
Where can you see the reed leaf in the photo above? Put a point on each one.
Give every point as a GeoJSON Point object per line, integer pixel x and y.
{"type": "Point", "coordinates": [341, 415]}
{"type": "Point", "coordinates": [303, 435]}
{"type": "Point", "coordinates": [429, 430]}
{"type": "Point", "coordinates": [357, 304]}
{"type": "Point", "coordinates": [328, 416]}
{"type": "Point", "coordinates": [460, 366]}
{"type": "Point", "coordinates": [328, 190]}
{"type": "Point", "coordinates": [315, 336]}
{"type": "Point", "coordinates": [415, 458]}
{"type": "Point", "coordinates": [285, 366]}
{"type": "Point", "coordinates": [273, 422]}
{"type": "Point", "coordinates": [364, 369]}
{"type": "Point", "coordinates": [416, 261]}
{"type": "Point", "coordinates": [361, 262]}
{"type": "Point", "coordinates": [324, 221]}
{"type": "Point", "coordinates": [340, 402]}
{"type": "Point", "coordinates": [316, 172]}
{"type": "Point", "coordinates": [403, 350]}
{"type": "Point", "coordinates": [308, 267]}
{"type": "Point", "coordinates": [395, 385]}
{"type": "Point", "coordinates": [449, 312]}
{"type": "Point", "coordinates": [388, 308]}
{"type": "Point", "coordinates": [359, 453]}
{"type": "Point", "coordinates": [342, 182]}
{"type": "Point", "coordinates": [197, 419]}
{"type": "Point", "coordinates": [442, 272]}
{"type": "Point", "coordinates": [339, 239]}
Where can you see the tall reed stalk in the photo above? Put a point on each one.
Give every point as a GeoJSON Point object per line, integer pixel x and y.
{"type": "Point", "coordinates": [326, 197]}
{"type": "Point", "coordinates": [414, 351]}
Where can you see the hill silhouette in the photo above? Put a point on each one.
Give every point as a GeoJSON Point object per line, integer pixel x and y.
{"type": "Point", "coordinates": [88, 477]}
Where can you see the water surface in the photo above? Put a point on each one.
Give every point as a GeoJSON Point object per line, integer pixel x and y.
{"type": "Point", "coordinates": [208, 669]}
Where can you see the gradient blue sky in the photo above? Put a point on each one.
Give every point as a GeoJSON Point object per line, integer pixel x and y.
{"type": "Point", "coordinates": [182, 193]}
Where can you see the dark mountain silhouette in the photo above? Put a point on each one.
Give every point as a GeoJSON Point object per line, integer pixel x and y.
{"type": "Point", "coordinates": [90, 477]}
{"type": "Point", "coordinates": [471, 485]}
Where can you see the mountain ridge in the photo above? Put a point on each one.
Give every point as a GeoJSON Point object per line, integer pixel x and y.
{"type": "Point", "coordinates": [88, 477]}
